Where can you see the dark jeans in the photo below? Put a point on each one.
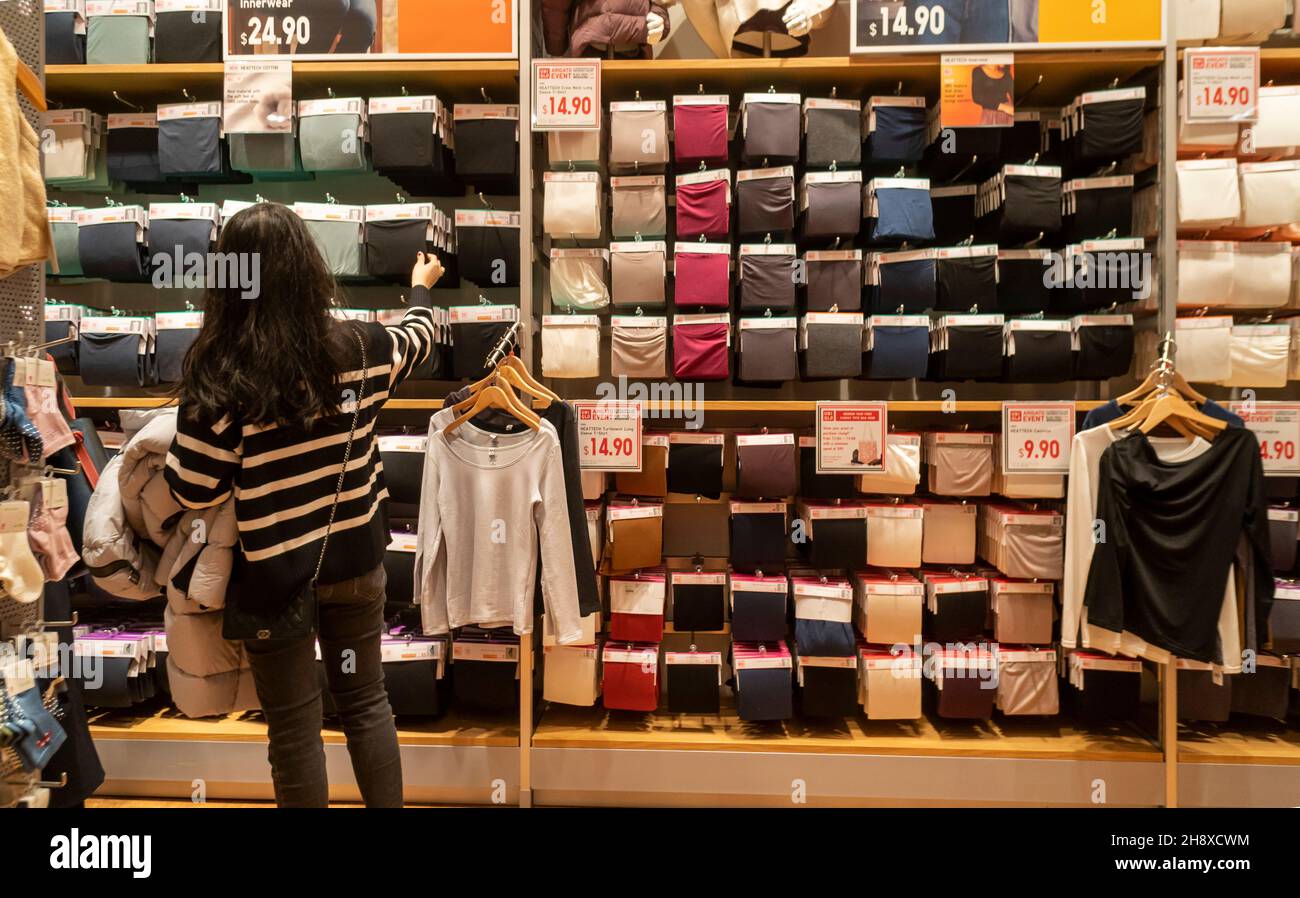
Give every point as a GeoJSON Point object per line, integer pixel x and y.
{"type": "Point", "coordinates": [288, 687]}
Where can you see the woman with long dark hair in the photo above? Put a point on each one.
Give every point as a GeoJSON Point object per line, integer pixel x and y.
{"type": "Point", "coordinates": [277, 413]}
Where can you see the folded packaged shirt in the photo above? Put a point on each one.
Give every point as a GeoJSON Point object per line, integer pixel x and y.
{"type": "Point", "coordinates": [393, 247]}
{"type": "Point", "coordinates": [340, 245]}
{"type": "Point", "coordinates": [638, 136]}
{"type": "Point", "coordinates": [190, 146]}
{"type": "Point", "coordinates": [902, 212]}
{"type": "Point", "coordinates": [834, 280]}
{"type": "Point", "coordinates": [638, 207]}
{"type": "Point", "coordinates": [832, 133]}
{"type": "Point", "coordinates": [578, 279]}
{"type": "Point", "coordinates": [111, 250]}
{"type": "Point", "coordinates": [331, 142]}
{"type": "Point", "coordinates": [638, 347]}
{"type": "Point", "coordinates": [133, 149]}
{"type": "Point", "coordinates": [700, 347]}
{"type": "Point", "coordinates": [832, 204]}
{"type": "Point", "coordinates": [770, 128]}
{"type": "Point", "coordinates": [766, 201]}
{"type": "Point", "coordinates": [63, 44]}
{"type": "Point", "coordinates": [488, 247]}
{"type": "Point", "coordinates": [767, 350]}
{"type": "Point", "coordinates": [118, 40]}
{"type": "Point", "coordinates": [700, 129]}
{"type": "Point", "coordinates": [638, 273]}
{"type": "Point", "coordinates": [702, 275]}
{"type": "Point", "coordinates": [767, 279]}
{"type": "Point", "coordinates": [895, 133]}
{"type": "Point", "coordinates": [703, 209]}
{"type": "Point", "coordinates": [188, 35]}
{"type": "Point", "coordinates": [570, 346]}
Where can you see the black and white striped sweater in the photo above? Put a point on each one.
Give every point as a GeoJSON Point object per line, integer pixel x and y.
{"type": "Point", "coordinates": [283, 478]}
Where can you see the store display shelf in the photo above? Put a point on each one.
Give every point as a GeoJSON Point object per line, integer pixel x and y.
{"type": "Point", "coordinates": [1064, 73]}
{"type": "Point", "coordinates": [162, 80]}
{"type": "Point", "coordinates": [595, 757]}
{"type": "Point", "coordinates": [800, 406]}
{"type": "Point", "coordinates": [1239, 766]}
{"type": "Point", "coordinates": [453, 759]}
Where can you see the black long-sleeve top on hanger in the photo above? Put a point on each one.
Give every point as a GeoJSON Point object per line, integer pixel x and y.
{"type": "Point", "coordinates": [1170, 537]}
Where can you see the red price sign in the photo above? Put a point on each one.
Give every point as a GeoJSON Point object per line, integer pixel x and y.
{"type": "Point", "coordinates": [609, 435]}
{"type": "Point", "coordinates": [566, 94]}
{"type": "Point", "coordinates": [1277, 426]}
{"type": "Point", "coordinates": [1222, 84]}
{"type": "Point", "coordinates": [1036, 437]}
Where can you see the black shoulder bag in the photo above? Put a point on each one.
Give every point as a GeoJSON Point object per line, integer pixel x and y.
{"type": "Point", "coordinates": [299, 616]}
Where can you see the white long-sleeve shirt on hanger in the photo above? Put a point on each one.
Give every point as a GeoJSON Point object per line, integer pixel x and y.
{"type": "Point", "coordinates": [490, 505]}
{"type": "Point", "coordinates": [1080, 517]}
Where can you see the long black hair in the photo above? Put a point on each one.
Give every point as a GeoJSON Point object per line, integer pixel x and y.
{"type": "Point", "coordinates": [273, 357]}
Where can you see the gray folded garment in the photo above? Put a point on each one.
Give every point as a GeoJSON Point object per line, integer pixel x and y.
{"type": "Point", "coordinates": [834, 350]}
{"type": "Point", "coordinates": [339, 244]}
{"type": "Point", "coordinates": [767, 282]}
{"type": "Point", "coordinates": [332, 142]}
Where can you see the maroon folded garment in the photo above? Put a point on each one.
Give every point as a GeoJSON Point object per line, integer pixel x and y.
{"type": "Point", "coordinates": [703, 209]}
{"type": "Point", "coordinates": [700, 134]}
{"type": "Point", "coordinates": [700, 352]}
{"type": "Point", "coordinates": [702, 279]}
{"type": "Point", "coordinates": [766, 470]}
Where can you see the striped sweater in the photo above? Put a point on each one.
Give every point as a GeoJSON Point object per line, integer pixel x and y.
{"type": "Point", "coordinates": [283, 479]}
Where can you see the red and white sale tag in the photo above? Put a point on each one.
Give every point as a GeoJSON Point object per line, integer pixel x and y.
{"type": "Point", "coordinates": [851, 437]}
{"type": "Point", "coordinates": [1277, 425]}
{"type": "Point", "coordinates": [566, 94]}
{"type": "Point", "coordinates": [609, 434]}
{"type": "Point", "coordinates": [1222, 84]}
{"type": "Point", "coordinates": [1036, 437]}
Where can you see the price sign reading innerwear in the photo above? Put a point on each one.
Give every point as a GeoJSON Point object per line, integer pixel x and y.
{"type": "Point", "coordinates": [1277, 426]}
{"type": "Point", "coordinates": [851, 437]}
{"type": "Point", "coordinates": [1222, 84]}
{"type": "Point", "coordinates": [609, 435]}
{"type": "Point", "coordinates": [1036, 437]}
{"type": "Point", "coordinates": [566, 95]}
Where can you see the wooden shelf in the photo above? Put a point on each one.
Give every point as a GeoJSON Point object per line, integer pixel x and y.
{"type": "Point", "coordinates": [168, 725]}
{"type": "Point", "coordinates": [1065, 73]}
{"type": "Point", "coordinates": [163, 81]}
{"type": "Point", "coordinates": [795, 406]}
{"type": "Point", "coordinates": [567, 727]}
{"type": "Point", "coordinates": [1265, 743]}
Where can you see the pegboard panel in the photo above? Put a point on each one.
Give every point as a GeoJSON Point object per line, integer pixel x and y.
{"type": "Point", "coordinates": [22, 295]}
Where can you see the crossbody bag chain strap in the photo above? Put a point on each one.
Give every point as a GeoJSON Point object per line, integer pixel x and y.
{"type": "Point", "coordinates": [347, 455]}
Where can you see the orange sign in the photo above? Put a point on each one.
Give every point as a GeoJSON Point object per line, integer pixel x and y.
{"type": "Point", "coordinates": [1077, 21]}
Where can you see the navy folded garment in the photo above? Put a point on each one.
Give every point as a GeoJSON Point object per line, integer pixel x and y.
{"type": "Point", "coordinates": [190, 147]}
{"type": "Point", "coordinates": [837, 544]}
{"type": "Point", "coordinates": [65, 354]}
{"type": "Point", "coordinates": [964, 283]}
{"type": "Point", "coordinates": [821, 486]}
{"type": "Point", "coordinates": [824, 638]}
{"type": "Point", "coordinates": [697, 606]}
{"type": "Point", "coordinates": [63, 46]}
{"type": "Point", "coordinates": [828, 691]}
{"type": "Point", "coordinates": [1041, 357]}
{"type": "Point", "coordinates": [1105, 351]}
{"type": "Point", "coordinates": [953, 209]}
{"type": "Point", "coordinates": [133, 155]}
{"type": "Point", "coordinates": [903, 215]}
{"type": "Point", "coordinates": [899, 137]}
{"type": "Point", "coordinates": [171, 236]}
{"type": "Point", "coordinates": [109, 250]}
{"type": "Point", "coordinates": [757, 616]}
{"type": "Point", "coordinates": [403, 473]}
{"type": "Point", "coordinates": [898, 353]}
{"type": "Point", "coordinates": [489, 257]}
{"type": "Point", "coordinates": [392, 247]}
{"type": "Point", "coordinates": [764, 694]}
{"type": "Point", "coordinates": [758, 542]}
{"type": "Point", "coordinates": [170, 347]}
{"type": "Point", "coordinates": [486, 685]}
{"type": "Point", "coordinates": [909, 285]}
{"type": "Point", "coordinates": [1022, 285]}
{"type": "Point", "coordinates": [187, 36]}
{"type": "Point", "coordinates": [112, 360]}
{"type": "Point", "coordinates": [692, 688]}
{"type": "Point", "coordinates": [400, 570]}
{"type": "Point", "coordinates": [974, 353]}
{"type": "Point", "coordinates": [959, 616]}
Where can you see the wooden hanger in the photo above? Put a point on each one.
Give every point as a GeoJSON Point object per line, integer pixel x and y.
{"type": "Point", "coordinates": [496, 395]}
{"type": "Point", "coordinates": [1176, 380]}
{"type": "Point", "coordinates": [514, 364]}
{"type": "Point", "coordinates": [30, 85]}
{"type": "Point", "coordinates": [511, 376]}
{"type": "Point", "coordinates": [1185, 418]}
